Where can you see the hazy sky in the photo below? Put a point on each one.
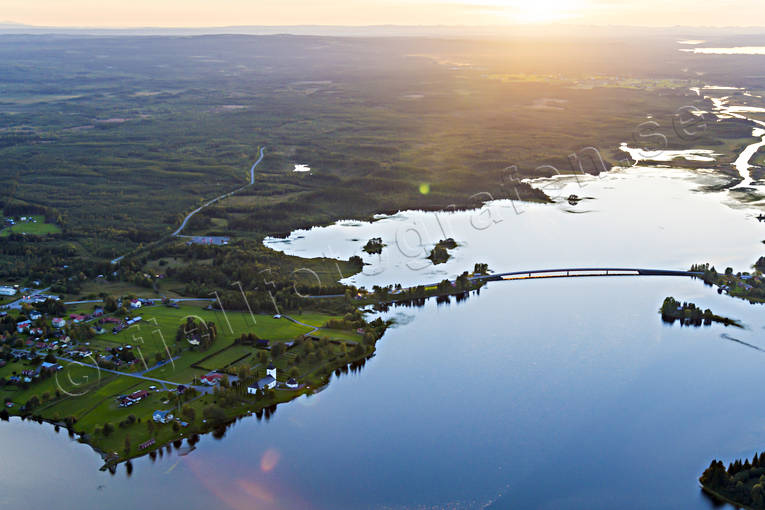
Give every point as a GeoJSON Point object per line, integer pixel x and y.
{"type": "Point", "coordinates": [174, 13]}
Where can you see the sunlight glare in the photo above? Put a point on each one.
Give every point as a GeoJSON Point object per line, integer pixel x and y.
{"type": "Point", "coordinates": [533, 11]}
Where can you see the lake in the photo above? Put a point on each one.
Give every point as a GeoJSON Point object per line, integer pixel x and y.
{"type": "Point", "coordinates": [535, 394]}
{"type": "Point", "coordinates": [552, 393]}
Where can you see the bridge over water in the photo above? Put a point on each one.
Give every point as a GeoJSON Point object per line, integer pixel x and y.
{"type": "Point", "coordinates": [570, 272]}
{"type": "Point", "coordinates": [578, 272]}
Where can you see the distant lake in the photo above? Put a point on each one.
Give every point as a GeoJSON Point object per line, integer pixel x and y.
{"type": "Point", "coordinates": [736, 50]}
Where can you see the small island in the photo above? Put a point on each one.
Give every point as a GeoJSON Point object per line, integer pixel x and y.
{"type": "Point", "coordinates": [374, 246]}
{"type": "Point", "coordinates": [440, 254]}
{"type": "Point", "coordinates": [690, 315]}
{"type": "Point", "coordinates": [741, 484]}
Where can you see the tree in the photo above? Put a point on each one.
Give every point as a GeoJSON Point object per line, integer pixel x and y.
{"type": "Point", "coordinates": [715, 475]}
{"type": "Point", "coordinates": [110, 304]}
{"type": "Point", "coordinates": [127, 445]}
{"type": "Point", "coordinates": [33, 402]}
{"type": "Point", "coordinates": [188, 413]}
{"type": "Point", "coordinates": [214, 413]}
{"type": "Point", "coordinates": [277, 350]}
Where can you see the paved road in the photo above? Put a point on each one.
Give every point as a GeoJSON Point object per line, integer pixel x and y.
{"type": "Point", "coordinates": [16, 305]}
{"type": "Point", "coordinates": [210, 202]}
{"type": "Point", "coordinates": [314, 330]}
{"type": "Point", "coordinates": [176, 300]}
{"type": "Point", "coordinates": [226, 195]}
{"type": "Point", "coordinates": [163, 382]}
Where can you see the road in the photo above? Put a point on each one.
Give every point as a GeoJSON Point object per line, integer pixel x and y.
{"type": "Point", "coordinates": [163, 382]}
{"type": "Point", "coordinates": [210, 202]}
{"type": "Point", "coordinates": [225, 195]}
{"type": "Point", "coordinates": [314, 328]}
{"type": "Point", "coordinates": [16, 305]}
{"type": "Point", "coordinates": [176, 300]}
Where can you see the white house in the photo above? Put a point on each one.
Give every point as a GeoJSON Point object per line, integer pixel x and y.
{"type": "Point", "coordinates": [292, 383]}
{"type": "Point", "coordinates": [7, 291]}
{"type": "Point", "coordinates": [58, 322]}
{"type": "Point", "coordinates": [34, 315]}
{"type": "Point", "coordinates": [135, 304]}
{"type": "Point", "coordinates": [267, 383]}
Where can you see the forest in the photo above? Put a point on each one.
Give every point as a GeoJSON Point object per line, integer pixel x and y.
{"type": "Point", "coordinates": [741, 483]}
{"type": "Point", "coordinates": [115, 139]}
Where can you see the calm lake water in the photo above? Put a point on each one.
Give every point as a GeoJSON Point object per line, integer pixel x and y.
{"type": "Point", "coordinates": [548, 394]}
{"type": "Point", "coordinates": [535, 394]}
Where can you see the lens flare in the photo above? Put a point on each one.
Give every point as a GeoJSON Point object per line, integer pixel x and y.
{"type": "Point", "coordinates": [269, 460]}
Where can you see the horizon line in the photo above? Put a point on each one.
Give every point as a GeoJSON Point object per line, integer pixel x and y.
{"type": "Point", "coordinates": [9, 24]}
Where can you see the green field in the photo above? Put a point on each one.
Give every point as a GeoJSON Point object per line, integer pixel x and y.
{"type": "Point", "coordinates": [90, 396]}
{"type": "Point", "coordinates": [37, 227]}
{"type": "Point", "coordinates": [235, 353]}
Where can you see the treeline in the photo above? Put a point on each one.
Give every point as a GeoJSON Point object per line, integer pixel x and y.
{"type": "Point", "coordinates": [742, 482]}
{"type": "Point", "coordinates": [16, 209]}
{"type": "Point", "coordinates": [249, 274]}
{"type": "Point", "coordinates": [689, 314]}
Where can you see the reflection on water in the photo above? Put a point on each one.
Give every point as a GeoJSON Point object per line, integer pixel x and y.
{"type": "Point", "coordinates": [470, 404]}
{"type": "Point", "coordinates": [636, 217]}
{"type": "Point", "coordinates": [736, 50]}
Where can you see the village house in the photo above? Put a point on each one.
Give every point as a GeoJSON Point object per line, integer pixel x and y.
{"type": "Point", "coordinates": [162, 416]}
{"type": "Point", "coordinates": [292, 383]}
{"type": "Point", "coordinates": [58, 322]}
{"type": "Point", "coordinates": [211, 379]}
{"type": "Point", "coordinates": [78, 318]}
{"type": "Point", "coordinates": [133, 398]}
{"type": "Point", "coordinates": [23, 326]}
{"type": "Point", "coordinates": [7, 291]}
{"type": "Point", "coordinates": [46, 367]}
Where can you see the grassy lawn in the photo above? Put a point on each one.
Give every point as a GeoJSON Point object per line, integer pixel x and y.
{"type": "Point", "coordinates": [92, 289]}
{"type": "Point", "coordinates": [38, 227]}
{"type": "Point", "coordinates": [233, 353]}
{"type": "Point", "coordinates": [339, 334]}
{"type": "Point", "coordinates": [74, 379]}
